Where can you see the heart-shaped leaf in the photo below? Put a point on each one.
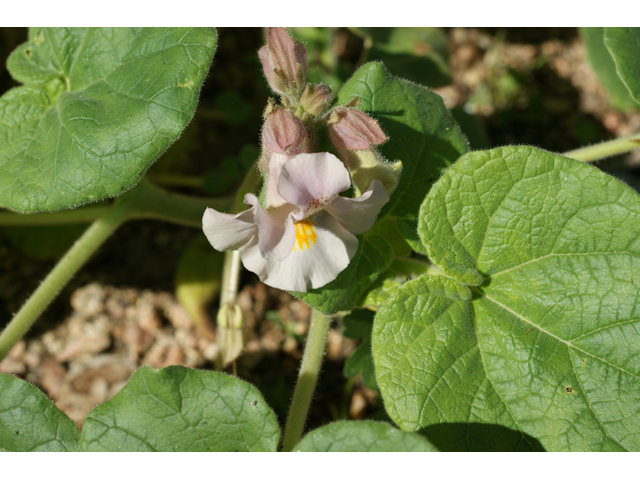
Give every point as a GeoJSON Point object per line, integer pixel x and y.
{"type": "Point", "coordinates": [181, 409]}
{"type": "Point", "coordinates": [30, 422]}
{"type": "Point", "coordinates": [624, 46]}
{"type": "Point", "coordinates": [544, 344]}
{"type": "Point", "coordinates": [363, 436]}
{"type": "Point", "coordinates": [98, 106]}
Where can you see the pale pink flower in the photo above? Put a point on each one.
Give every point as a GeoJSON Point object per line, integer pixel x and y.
{"type": "Point", "coordinates": [307, 241]}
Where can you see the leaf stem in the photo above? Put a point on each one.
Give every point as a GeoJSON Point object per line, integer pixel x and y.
{"type": "Point", "coordinates": [151, 202]}
{"type": "Point", "coordinates": [68, 265]}
{"type": "Point", "coordinates": [65, 217]}
{"type": "Point", "coordinates": [307, 379]}
{"type": "Point", "coordinates": [605, 149]}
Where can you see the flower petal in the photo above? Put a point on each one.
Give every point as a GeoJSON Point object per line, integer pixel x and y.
{"type": "Point", "coordinates": [226, 231]}
{"type": "Point", "coordinates": [272, 198]}
{"type": "Point", "coordinates": [359, 214]}
{"type": "Point", "coordinates": [311, 180]}
{"type": "Point", "coordinates": [276, 232]}
{"type": "Point", "coordinates": [306, 267]}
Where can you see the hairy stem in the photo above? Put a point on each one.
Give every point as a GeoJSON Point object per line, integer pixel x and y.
{"type": "Point", "coordinates": [68, 265]}
{"type": "Point", "coordinates": [307, 379]}
{"type": "Point", "coordinates": [151, 202]}
{"type": "Point", "coordinates": [65, 217]}
{"type": "Point", "coordinates": [605, 149]}
{"type": "Point", "coordinates": [154, 202]}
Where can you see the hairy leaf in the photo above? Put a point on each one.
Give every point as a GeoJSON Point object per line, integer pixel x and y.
{"type": "Point", "coordinates": [30, 422]}
{"type": "Point", "coordinates": [363, 436]}
{"type": "Point", "coordinates": [98, 106]}
{"type": "Point", "coordinates": [180, 409]}
{"type": "Point", "coordinates": [541, 350]}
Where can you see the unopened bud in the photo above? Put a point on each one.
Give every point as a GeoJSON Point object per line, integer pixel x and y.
{"type": "Point", "coordinates": [315, 99]}
{"type": "Point", "coordinates": [354, 134]}
{"type": "Point", "coordinates": [284, 61]}
{"type": "Point", "coordinates": [283, 132]}
{"type": "Point", "coordinates": [352, 129]}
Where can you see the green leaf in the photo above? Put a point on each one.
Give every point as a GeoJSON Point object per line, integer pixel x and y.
{"type": "Point", "coordinates": [602, 63]}
{"type": "Point", "coordinates": [374, 255]}
{"type": "Point", "coordinates": [181, 409]}
{"type": "Point", "coordinates": [30, 422]}
{"type": "Point", "coordinates": [419, 54]}
{"type": "Point", "coordinates": [98, 106]}
{"type": "Point", "coordinates": [401, 270]}
{"type": "Point", "coordinates": [545, 347]}
{"type": "Point", "coordinates": [422, 132]}
{"type": "Point", "coordinates": [362, 436]}
{"type": "Point", "coordinates": [624, 46]}
{"type": "Point", "coordinates": [357, 326]}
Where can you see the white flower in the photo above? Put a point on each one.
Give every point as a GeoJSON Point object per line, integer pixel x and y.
{"type": "Point", "coordinates": [308, 240]}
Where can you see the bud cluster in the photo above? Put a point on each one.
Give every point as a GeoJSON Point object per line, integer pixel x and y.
{"type": "Point", "coordinates": [289, 128]}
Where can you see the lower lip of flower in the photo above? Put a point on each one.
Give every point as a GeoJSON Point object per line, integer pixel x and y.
{"type": "Point", "coordinates": [305, 235]}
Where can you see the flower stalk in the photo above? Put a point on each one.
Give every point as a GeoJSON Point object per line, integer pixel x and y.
{"type": "Point", "coordinates": [307, 379]}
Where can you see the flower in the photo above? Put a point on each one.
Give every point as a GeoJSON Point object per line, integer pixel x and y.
{"type": "Point", "coordinates": [307, 241]}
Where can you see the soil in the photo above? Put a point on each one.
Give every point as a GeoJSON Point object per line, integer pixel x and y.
{"type": "Point", "coordinates": [524, 86]}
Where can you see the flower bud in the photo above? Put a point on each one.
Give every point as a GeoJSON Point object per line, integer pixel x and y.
{"type": "Point", "coordinates": [352, 129]}
{"type": "Point", "coordinates": [354, 135]}
{"type": "Point", "coordinates": [315, 99]}
{"type": "Point", "coordinates": [284, 61]}
{"type": "Point", "coordinates": [282, 132]}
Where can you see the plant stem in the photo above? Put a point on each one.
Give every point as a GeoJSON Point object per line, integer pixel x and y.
{"type": "Point", "coordinates": [605, 149]}
{"type": "Point", "coordinates": [151, 202]}
{"type": "Point", "coordinates": [154, 202]}
{"type": "Point", "coordinates": [68, 265]}
{"type": "Point", "coordinates": [307, 379]}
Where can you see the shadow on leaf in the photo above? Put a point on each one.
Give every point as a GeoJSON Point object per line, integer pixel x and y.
{"type": "Point", "coordinates": [479, 437]}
